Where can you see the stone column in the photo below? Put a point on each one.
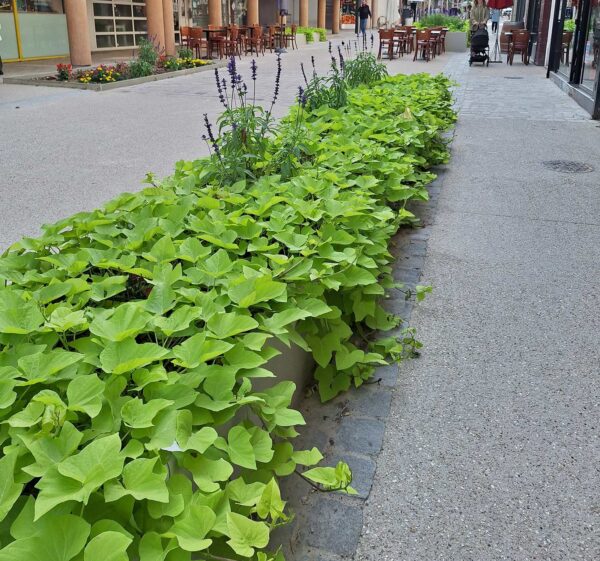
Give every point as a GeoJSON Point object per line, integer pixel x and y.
{"type": "Point", "coordinates": [215, 14]}
{"type": "Point", "coordinates": [335, 21]}
{"type": "Point", "coordinates": [321, 14]}
{"type": "Point", "coordinates": [374, 13]}
{"type": "Point", "coordinates": [303, 13]}
{"type": "Point", "coordinates": [169, 28]}
{"type": "Point", "coordinates": [78, 31]}
{"type": "Point", "coordinates": [156, 23]}
{"type": "Point", "coordinates": [252, 14]}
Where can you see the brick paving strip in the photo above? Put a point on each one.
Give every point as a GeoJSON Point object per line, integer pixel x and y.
{"type": "Point", "coordinates": [327, 526]}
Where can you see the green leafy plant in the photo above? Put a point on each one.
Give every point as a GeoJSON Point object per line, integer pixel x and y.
{"type": "Point", "coordinates": [364, 69]}
{"type": "Point", "coordinates": [453, 23]}
{"type": "Point", "coordinates": [139, 68]}
{"type": "Point", "coordinates": [569, 25]}
{"type": "Point", "coordinates": [133, 335]}
{"type": "Point", "coordinates": [309, 33]}
{"type": "Point", "coordinates": [185, 52]}
{"type": "Point", "coordinates": [147, 52]}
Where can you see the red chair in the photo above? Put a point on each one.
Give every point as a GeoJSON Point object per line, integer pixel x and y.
{"type": "Point", "coordinates": [291, 38]}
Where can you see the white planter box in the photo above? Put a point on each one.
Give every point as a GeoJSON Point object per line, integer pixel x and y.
{"type": "Point", "coordinates": [456, 41]}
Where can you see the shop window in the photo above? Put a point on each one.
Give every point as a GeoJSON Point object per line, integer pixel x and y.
{"type": "Point", "coordinates": [119, 24]}
{"type": "Point", "coordinates": [592, 50]}
{"type": "Point", "coordinates": [41, 6]}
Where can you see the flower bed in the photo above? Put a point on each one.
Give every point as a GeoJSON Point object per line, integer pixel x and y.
{"type": "Point", "coordinates": [133, 334]}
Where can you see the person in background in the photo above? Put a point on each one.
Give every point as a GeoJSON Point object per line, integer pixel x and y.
{"type": "Point", "coordinates": [364, 13]}
{"type": "Point", "coordinates": [495, 15]}
{"type": "Point", "coordinates": [480, 14]}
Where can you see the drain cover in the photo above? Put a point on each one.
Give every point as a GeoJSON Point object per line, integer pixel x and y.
{"type": "Point", "coordinates": [567, 166]}
{"type": "Point", "coordinates": [513, 77]}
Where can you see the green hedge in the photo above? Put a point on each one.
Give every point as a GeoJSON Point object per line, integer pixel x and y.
{"type": "Point", "coordinates": [453, 23]}
{"type": "Point", "coordinates": [309, 32]}
{"type": "Point", "coordinates": [132, 335]}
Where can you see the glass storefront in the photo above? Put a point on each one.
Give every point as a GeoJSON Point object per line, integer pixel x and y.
{"type": "Point", "coordinates": [575, 49]}
{"type": "Point", "coordinates": [591, 50]}
{"type": "Point", "coordinates": [33, 29]}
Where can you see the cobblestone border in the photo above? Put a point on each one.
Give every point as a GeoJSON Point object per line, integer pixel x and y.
{"type": "Point", "coordinates": [328, 526]}
{"type": "Point", "coordinates": [36, 80]}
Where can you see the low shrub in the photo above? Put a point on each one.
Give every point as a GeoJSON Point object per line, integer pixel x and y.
{"type": "Point", "coordinates": [147, 52]}
{"type": "Point", "coordinates": [569, 25]}
{"type": "Point", "coordinates": [139, 68]}
{"type": "Point", "coordinates": [133, 336]}
{"type": "Point", "coordinates": [309, 32]}
{"type": "Point", "coordinates": [453, 23]}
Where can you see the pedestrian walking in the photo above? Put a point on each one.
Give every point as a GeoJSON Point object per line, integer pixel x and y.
{"type": "Point", "coordinates": [495, 15]}
{"type": "Point", "coordinates": [480, 14]}
{"type": "Point", "coordinates": [364, 13]}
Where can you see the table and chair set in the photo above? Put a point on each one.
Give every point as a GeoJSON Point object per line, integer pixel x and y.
{"type": "Point", "coordinates": [237, 40]}
{"type": "Point", "coordinates": [426, 43]}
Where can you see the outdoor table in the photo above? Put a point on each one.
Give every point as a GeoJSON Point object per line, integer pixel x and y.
{"type": "Point", "coordinates": [211, 33]}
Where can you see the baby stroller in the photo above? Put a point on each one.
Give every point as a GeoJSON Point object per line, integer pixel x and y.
{"type": "Point", "coordinates": [480, 46]}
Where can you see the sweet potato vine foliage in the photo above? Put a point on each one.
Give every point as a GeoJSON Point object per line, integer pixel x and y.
{"type": "Point", "coordinates": [132, 337]}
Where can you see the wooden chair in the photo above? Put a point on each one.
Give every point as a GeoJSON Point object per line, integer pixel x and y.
{"type": "Point", "coordinates": [423, 44]}
{"type": "Point", "coordinates": [410, 37]}
{"type": "Point", "coordinates": [216, 41]}
{"type": "Point", "coordinates": [565, 46]}
{"type": "Point", "coordinates": [402, 40]}
{"type": "Point", "coordinates": [519, 44]}
{"type": "Point", "coordinates": [184, 36]}
{"type": "Point", "coordinates": [443, 40]}
{"type": "Point", "coordinates": [255, 41]}
{"type": "Point", "coordinates": [436, 40]}
{"type": "Point", "coordinates": [504, 38]}
{"type": "Point", "coordinates": [386, 39]}
{"type": "Point", "coordinates": [291, 39]}
{"type": "Point", "coordinates": [232, 44]}
{"type": "Point", "coordinates": [274, 38]}
{"type": "Point", "coordinates": [196, 41]}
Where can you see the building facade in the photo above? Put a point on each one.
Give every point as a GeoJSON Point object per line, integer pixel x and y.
{"type": "Point", "coordinates": [565, 37]}
{"type": "Point", "coordinates": [37, 29]}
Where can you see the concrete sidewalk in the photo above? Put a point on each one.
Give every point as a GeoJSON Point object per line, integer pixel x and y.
{"type": "Point", "coordinates": [63, 150]}
{"type": "Point", "coordinates": [492, 444]}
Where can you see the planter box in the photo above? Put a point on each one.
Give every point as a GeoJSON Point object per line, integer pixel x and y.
{"type": "Point", "coordinates": [456, 41]}
{"type": "Point", "coordinates": [38, 79]}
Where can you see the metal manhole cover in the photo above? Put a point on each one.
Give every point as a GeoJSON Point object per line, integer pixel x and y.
{"type": "Point", "coordinates": [567, 166]}
{"type": "Point", "coordinates": [513, 77]}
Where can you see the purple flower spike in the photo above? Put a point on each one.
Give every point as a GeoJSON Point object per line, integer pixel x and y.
{"type": "Point", "coordinates": [253, 68]}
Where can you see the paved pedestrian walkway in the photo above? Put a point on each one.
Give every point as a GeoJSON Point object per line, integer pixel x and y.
{"type": "Point", "coordinates": [63, 150]}
{"type": "Point", "coordinates": [491, 446]}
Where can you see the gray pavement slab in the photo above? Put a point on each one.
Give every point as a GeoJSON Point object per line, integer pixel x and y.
{"type": "Point", "coordinates": [491, 447]}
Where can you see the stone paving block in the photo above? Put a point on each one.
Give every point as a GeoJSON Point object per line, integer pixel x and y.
{"type": "Point", "coordinates": [332, 525]}
{"type": "Point", "coordinates": [363, 471]}
{"type": "Point", "coordinates": [361, 436]}
{"type": "Point", "coordinates": [369, 401]}
{"type": "Point", "coordinates": [388, 375]}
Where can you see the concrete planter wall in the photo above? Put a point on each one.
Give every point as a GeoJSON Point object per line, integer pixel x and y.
{"type": "Point", "coordinates": [456, 41]}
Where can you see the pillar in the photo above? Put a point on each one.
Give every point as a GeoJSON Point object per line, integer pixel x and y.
{"type": "Point", "coordinates": [215, 14]}
{"type": "Point", "coordinates": [252, 12]}
{"type": "Point", "coordinates": [78, 32]}
{"type": "Point", "coordinates": [303, 13]}
{"type": "Point", "coordinates": [374, 13]}
{"type": "Point", "coordinates": [321, 14]}
{"type": "Point", "coordinates": [156, 23]}
{"type": "Point", "coordinates": [335, 20]}
{"type": "Point", "coordinates": [169, 28]}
